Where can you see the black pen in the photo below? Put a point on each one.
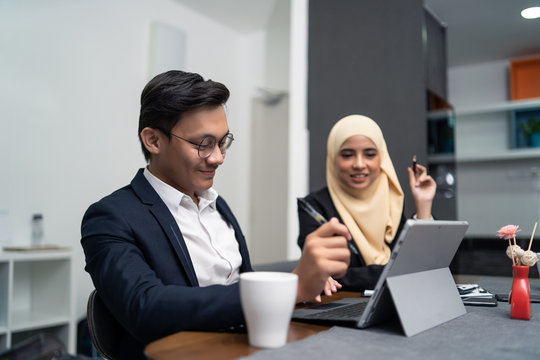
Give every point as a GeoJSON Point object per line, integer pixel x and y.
{"type": "Point", "coordinates": [321, 220]}
{"type": "Point", "coordinates": [414, 164]}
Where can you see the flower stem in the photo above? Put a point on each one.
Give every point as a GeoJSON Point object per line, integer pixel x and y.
{"type": "Point", "coordinates": [512, 250]}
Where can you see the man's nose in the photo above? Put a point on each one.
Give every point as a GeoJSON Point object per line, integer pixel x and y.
{"type": "Point", "coordinates": [216, 157]}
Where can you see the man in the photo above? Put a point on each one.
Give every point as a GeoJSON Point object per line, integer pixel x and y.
{"type": "Point", "coordinates": [165, 252]}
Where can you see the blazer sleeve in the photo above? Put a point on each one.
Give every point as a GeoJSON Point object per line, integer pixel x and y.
{"type": "Point", "coordinates": [133, 289]}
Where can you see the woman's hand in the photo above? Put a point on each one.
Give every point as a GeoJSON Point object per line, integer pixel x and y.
{"type": "Point", "coordinates": [330, 287]}
{"type": "Point", "coordinates": [423, 189]}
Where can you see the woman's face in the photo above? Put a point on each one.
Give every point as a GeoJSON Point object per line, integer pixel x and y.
{"type": "Point", "coordinates": [358, 163]}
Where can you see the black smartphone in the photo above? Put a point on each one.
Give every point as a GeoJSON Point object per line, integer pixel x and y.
{"type": "Point", "coordinates": [480, 301]}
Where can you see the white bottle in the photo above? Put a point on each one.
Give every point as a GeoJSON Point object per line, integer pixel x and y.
{"type": "Point", "coordinates": [37, 230]}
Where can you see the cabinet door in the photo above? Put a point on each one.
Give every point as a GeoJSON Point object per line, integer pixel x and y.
{"type": "Point", "coordinates": [435, 50]}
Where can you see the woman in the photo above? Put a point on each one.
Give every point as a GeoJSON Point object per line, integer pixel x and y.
{"type": "Point", "coordinates": [364, 193]}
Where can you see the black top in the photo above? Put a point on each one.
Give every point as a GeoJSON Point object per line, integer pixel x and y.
{"type": "Point", "coordinates": [359, 276]}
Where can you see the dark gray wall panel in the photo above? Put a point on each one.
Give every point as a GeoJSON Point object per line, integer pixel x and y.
{"type": "Point", "coordinates": [366, 57]}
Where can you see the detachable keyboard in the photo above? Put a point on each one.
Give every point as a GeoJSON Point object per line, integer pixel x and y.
{"type": "Point", "coordinates": [338, 311]}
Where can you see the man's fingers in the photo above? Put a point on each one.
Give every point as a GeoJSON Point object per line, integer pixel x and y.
{"type": "Point", "coordinates": [331, 228]}
{"type": "Point", "coordinates": [336, 266]}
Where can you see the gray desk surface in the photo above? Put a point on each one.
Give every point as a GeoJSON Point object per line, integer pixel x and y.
{"type": "Point", "coordinates": [482, 333]}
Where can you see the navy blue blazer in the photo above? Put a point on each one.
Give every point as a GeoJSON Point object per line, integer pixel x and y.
{"type": "Point", "coordinates": [141, 268]}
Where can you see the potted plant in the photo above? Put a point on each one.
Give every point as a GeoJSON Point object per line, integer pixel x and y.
{"type": "Point", "coordinates": [531, 129]}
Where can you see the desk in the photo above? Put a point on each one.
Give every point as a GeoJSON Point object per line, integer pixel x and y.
{"type": "Point", "coordinates": [202, 345]}
{"type": "Point", "coordinates": [482, 333]}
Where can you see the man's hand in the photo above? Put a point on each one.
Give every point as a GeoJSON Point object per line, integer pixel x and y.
{"type": "Point", "coordinates": [325, 254]}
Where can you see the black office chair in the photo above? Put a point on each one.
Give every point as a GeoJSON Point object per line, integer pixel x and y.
{"type": "Point", "coordinates": [105, 331]}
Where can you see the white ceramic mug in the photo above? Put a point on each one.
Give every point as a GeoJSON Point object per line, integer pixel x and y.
{"type": "Point", "coordinates": [268, 300]}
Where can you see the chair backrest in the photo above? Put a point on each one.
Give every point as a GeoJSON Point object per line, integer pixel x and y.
{"type": "Point", "coordinates": [105, 331]}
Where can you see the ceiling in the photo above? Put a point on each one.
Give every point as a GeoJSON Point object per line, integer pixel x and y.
{"type": "Point", "coordinates": [481, 31]}
{"type": "Point", "coordinates": [240, 15]}
{"type": "Point", "coordinates": [478, 31]}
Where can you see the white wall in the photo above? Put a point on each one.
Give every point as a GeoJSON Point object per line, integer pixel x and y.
{"type": "Point", "coordinates": [285, 67]}
{"type": "Point", "coordinates": [71, 75]}
{"type": "Point", "coordinates": [277, 67]}
{"type": "Point", "coordinates": [269, 193]}
{"type": "Point", "coordinates": [298, 133]}
{"type": "Point", "coordinates": [479, 84]}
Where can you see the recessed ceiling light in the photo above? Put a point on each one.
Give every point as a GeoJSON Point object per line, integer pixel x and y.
{"type": "Point", "coordinates": [531, 13]}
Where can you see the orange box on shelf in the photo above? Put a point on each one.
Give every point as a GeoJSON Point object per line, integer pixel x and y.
{"type": "Point", "coordinates": [525, 78]}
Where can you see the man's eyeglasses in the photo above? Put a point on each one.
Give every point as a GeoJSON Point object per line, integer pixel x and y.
{"type": "Point", "coordinates": [208, 143]}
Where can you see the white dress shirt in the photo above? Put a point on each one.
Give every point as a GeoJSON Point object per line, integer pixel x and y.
{"type": "Point", "coordinates": [210, 240]}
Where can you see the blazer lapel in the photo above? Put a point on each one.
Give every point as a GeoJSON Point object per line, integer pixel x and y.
{"type": "Point", "coordinates": [161, 213]}
{"type": "Point", "coordinates": [226, 212]}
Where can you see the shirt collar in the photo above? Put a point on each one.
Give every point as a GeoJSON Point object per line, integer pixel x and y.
{"type": "Point", "coordinates": [208, 198]}
{"type": "Point", "coordinates": [172, 197]}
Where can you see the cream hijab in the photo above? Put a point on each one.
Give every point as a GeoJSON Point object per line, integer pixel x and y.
{"type": "Point", "coordinates": [372, 215]}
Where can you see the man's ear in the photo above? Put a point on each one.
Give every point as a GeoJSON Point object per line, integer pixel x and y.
{"type": "Point", "coordinates": [152, 140]}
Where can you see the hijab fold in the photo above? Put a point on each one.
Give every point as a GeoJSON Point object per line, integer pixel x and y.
{"type": "Point", "coordinates": [373, 214]}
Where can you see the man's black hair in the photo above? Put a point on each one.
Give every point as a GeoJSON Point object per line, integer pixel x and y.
{"type": "Point", "coordinates": [169, 95]}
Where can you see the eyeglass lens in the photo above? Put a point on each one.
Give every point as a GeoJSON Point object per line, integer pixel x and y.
{"type": "Point", "coordinates": [208, 143]}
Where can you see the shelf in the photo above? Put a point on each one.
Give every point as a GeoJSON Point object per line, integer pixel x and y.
{"type": "Point", "coordinates": [61, 332]}
{"type": "Point", "coordinates": [497, 174]}
{"type": "Point", "coordinates": [520, 120]}
{"type": "Point", "coordinates": [24, 320]}
{"type": "Point", "coordinates": [499, 107]}
{"type": "Point", "coordinates": [36, 296]}
{"type": "Point", "coordinates": [514, 154]}
{"type": "Point", "coordinates": [440, 114]}
{"type": "Point", "coordinates": [35, 255]}
{"type": "Point", "coordinates": [441, 158]}
{"type": "Point", "coordinates": [38, 287]}
{"type": "Point", "coordinates": [489, 133]}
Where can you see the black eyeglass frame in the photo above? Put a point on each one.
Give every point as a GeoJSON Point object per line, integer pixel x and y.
{"type": "Point", "coordinates": [222, 142]}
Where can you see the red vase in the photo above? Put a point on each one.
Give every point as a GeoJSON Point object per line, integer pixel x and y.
{"type": "Point", "coordinates": [520, 305]}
